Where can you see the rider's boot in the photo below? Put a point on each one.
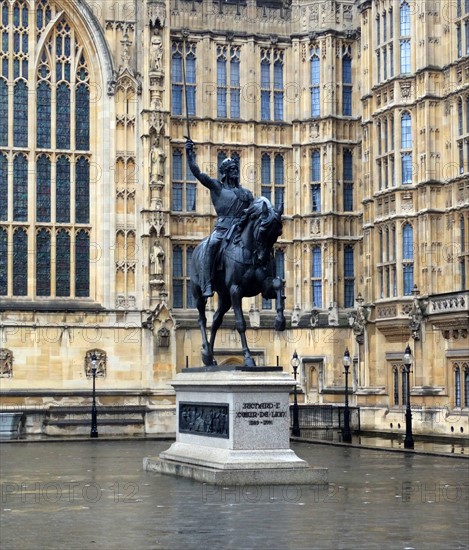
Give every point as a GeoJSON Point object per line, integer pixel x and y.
{"type": "Point", "coordinates": [208, 290]}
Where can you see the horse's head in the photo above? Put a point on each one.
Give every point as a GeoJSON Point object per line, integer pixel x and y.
{"type": "Point", "coordinates": [263, 222]}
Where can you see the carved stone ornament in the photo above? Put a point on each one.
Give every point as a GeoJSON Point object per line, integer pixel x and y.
{"type": "Point", "coordinates": [6, 363]}
{"type": "Point", "coordinates": [163, 337]}
{"type": "Point", "coordinates": [156, 14]}
{"type": "Point", "coordinates": [101, 363]}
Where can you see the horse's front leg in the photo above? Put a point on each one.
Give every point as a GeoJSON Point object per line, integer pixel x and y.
{"type": "Point", "coordinates": [277, 285]}
{"type": "Point", "coordinates": [201, 302]}
{"type": "Point", "coordinates": [224, 304]}
{"type": "Point", "coordinates": [236, 301]}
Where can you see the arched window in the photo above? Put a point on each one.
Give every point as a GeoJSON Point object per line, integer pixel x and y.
{"type": "Point", "coordinates": [43, 104]}
{"type": "Point", "coordinates": [460, 117]}
{"type": "Point", "coordinates": [44, 84]}
{"type": "Point", "coordinates": [82, 264]}
{"type": "Point", "coordinates": [406, 131]}
{"type": "Point", "coordinates": [266, 178]}
{"type": "Point", "coordinates": [316, 277]}
{"type": "Point", "coordinates": [408, 258]}
{"type": "Point", "coordinates": [315, 83]}
{"type": "Point", "coordinates": [182, 295]}
{"type": "Point", "coordinates": [279, 183]}
{"type": "Point", "coordinates": [407, 242]}
{"type": "Point", "coordinates": [315, 181]}
{"type": "Point", "coordinates": [349, 276]}
{"type": "Point", "coordinates": [43, 263]}
{"type": "Point", "coordinates": [457, 387]}
{"type": "Point", "coordinates": [466, 386]}
{"type": "Point", "coordinates": [62, 266]}
{"type": "Point", "coordinates": [406, 144]}
{"type": "Point", "coordinates": [20, 262]}
{"type": "Point", "coordinates": [20, 188]}
{"type": "Point", "coordinates": [404, 42]}
{"type": "Point", "coordinates": [347, 85]}
{"type": "Point", "coordinates": [62, 190]}
{"type": "Point", "coordinates": [347, 160]}
{"type": "Point", "coordinates": [43, 189]}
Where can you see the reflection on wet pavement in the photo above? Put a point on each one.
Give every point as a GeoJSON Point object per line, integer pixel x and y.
{"type": "Point", "coordinates": [96, 495]}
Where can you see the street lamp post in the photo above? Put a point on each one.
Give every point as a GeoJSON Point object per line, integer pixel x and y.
{"type": "Point", "coordinates": [346, 433]}
{"type": "Point", "coordinates": [94, 412]}
{"type": "Point", "coordinates": [296, 422]}
{"type": "Point", "coordinates": [408, 440]}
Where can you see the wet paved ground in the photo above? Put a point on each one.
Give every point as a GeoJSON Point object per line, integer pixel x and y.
{"type": "Point", "coordinates": [95, 495]}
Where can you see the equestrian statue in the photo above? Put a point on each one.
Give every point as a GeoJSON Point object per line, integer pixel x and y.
{"type": "Point", "coordinates": [237, 259]}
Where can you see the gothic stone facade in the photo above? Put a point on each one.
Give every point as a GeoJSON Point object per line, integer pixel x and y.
{"type": "Point", "coordinates": [354, 114]}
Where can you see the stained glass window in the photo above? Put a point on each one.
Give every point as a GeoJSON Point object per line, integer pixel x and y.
{"type": "Point", "coordinates": [20, 114]}
{"type": "Point", "coordinates": [82, 118]}
{"type": "Point", "coordinates": [61, 99]}
{"type": "Point", "coordinates": [20, 188]}
{"type": "Point", "coordinates": [43, 189]}
{"type": "Point", "coordinates": [3, 188]}
{"type": "Point", "coordinates": [82, 264]}
{"type": "Point", "coordinates": [178, 299]}
{"type": "Point", "coordinates": [3, 112]}
{"type": "Point", "coordinates": [43, 114]}
{"type": "Point", "coordinates": [43, 263]}
{"type": "Point", "coordinates": [3, 262]}
{"type": "Point", "coordinates": [20, 263]}
{"type": "Point", "coordinates": [62, 264]}
{"type": "Point", "coordinates": [82, 191]}
{"type": "Point", "coordinates": [63, 117]}
{"type": "Point", "coordinates": [62, 190]}
{"type": "Point", "coordinates": [349, 277]}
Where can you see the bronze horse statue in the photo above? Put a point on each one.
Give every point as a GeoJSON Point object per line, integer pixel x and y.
{"type": "Point", "coordinates": [246, 267]}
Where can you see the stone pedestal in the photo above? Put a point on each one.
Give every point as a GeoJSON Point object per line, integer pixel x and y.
{"type": "Point", "coordinates": [233, 428]}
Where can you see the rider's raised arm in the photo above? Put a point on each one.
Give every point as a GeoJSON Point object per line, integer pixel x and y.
{"type": "Point", "coordinates": [204, 179]}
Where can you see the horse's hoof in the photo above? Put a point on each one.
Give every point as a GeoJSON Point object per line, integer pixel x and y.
{"type": "Point", "coordinates": [207, 359]}
{"type": "Point", "coordinates": [280, 325]}
{"type": "Point", "coordinates": [249, 362]}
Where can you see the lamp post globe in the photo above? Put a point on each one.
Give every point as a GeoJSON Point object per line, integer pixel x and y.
{"type": "Point", "coordinates": [408, 440]}
{"type": "Point", "coordinates": [94, 411]}
{"type": "Point", "coordinates": [296, 421]}
{"type": "Point", "coordinates": [346, 433]}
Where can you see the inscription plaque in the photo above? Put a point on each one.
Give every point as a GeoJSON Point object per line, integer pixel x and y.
{"type": "Point", "coordinates": [209, 419]}
{"type": "Point", "coordinates": [265, 413]}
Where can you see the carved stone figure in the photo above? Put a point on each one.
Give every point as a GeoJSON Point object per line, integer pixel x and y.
{"type": "Point", "coordinates": [157, 162]}
{"type": "Point", "coordinates": [416, 316]}
{"type": "Point", "coordinates": [157, 256]}
{"type": "Point", "coordinates": [156, 54]}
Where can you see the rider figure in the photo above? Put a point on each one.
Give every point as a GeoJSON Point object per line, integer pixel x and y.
{"type": "Point", "coordinates": [229, 200]}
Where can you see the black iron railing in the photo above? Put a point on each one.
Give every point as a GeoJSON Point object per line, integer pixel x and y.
{"type": "Point", "coordinates": [326, 417]}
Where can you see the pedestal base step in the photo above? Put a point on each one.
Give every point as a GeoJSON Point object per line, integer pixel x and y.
{"type": "Point", "coordinates": [254, 476]}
